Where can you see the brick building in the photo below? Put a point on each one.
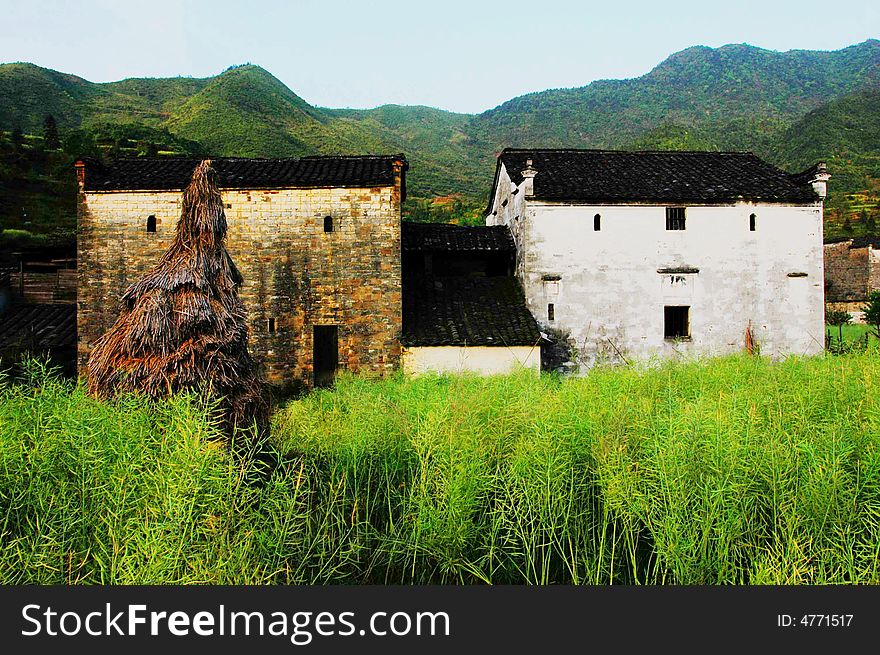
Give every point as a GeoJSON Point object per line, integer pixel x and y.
{"type": "Point", "coordinates": [316, 239]}
{"type": "Point", "coordinates": [852, 271]}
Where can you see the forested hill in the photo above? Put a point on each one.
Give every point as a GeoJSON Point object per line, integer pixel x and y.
{"type": "Point", "coordinates": [792, 108]}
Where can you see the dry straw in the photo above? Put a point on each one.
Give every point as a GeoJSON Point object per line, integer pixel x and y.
{"type": "Point", "coordinates": [182, 326]}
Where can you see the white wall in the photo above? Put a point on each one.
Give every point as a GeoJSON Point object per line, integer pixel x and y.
{"type": "Point", "coordinates": [487, 360]}
{"type": "Point", "coordinates": [611, 296]}
{"type": "Point", "coordinates": [510, 210]}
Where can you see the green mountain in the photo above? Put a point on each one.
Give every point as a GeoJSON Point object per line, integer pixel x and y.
{"type": "Point", "coordinates": [846, 133]}
{"type": "Point", "coordinates": [792, 108]}
{"type": "Point", "coordinates": [739, 94]}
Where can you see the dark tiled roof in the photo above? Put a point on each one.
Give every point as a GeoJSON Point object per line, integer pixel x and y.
{"type": "Point", "coordinates": [442, 236]}
{"type": "Point", "coordinates": [483, 311]}
{"type": "Point", "coordinates": [41, 326]}
{"type": "Point", "coordinates": [601, 176]}
{"type": "Point", "coordinates": [174, 173]}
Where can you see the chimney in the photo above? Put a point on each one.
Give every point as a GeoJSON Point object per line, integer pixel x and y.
{"type": "Point", "coordinates": [819, 180]}
{"type": "Point", "coordinates": [399, 166]}
{"type": "Point", "coordinates": [528, 183]}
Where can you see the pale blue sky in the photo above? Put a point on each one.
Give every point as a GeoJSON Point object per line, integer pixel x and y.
{"type": "Point", "coordinates": [464, 56]}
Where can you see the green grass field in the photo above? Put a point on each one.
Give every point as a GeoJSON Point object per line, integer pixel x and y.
{"type": "Point", "coordinates": [853, 332]}
{"type": "Point", "coordinates": [853, 336]}
{"type": "Point", "coordinates": [731, 471]}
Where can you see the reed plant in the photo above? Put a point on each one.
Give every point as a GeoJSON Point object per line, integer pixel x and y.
{"type": "Point", "coordinates": [737, 470]}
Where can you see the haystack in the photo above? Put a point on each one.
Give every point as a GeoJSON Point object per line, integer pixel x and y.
{"type": "Point", "coordinates": [182, 326]}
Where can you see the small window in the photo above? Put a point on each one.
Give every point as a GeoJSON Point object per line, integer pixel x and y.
{"type": "Point", "coordinates": [151, 223]}
{"type": "Point", "coordinates": [328, 223]}
{"type": "Point", "coordinates": [597, 221]}
{"type": "Point", "coordinates": [270, 325]}
{"type": "Point", "coordinates": [752, 223]}
{"type": "Point", "coordinates": [675, 218]}
{"type": "Point", "coordinates": [676, 322]}
{"type": "Point", "coordinates": [551, 312]}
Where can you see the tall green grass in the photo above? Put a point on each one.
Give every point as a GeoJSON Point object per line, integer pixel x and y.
{"type": "Point", "coordinates": [730, 471]}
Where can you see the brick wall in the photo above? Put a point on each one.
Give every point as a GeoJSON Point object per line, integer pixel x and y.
{"type": "Point", "coordinates": [846, 272]}
{"type": "Point", "coordinates": [294, 272]}
{"type": "Point", "coordinates": [873, 256]}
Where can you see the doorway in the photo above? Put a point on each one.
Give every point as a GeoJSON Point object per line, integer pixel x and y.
{"type": "Point", "coordinates": [325, 356]}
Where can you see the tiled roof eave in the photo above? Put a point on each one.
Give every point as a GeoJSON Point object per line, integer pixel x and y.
{"type": "Point", "coordinates": [444, 238]}
{"type": "Point", "coordinates": [452, 343]}
{"type": "Point", "coordinates": [655, 202]}
{"type": "Point", "coordinates": [255, 187]}
{"type": "Point", "coordinates": [174, 173]}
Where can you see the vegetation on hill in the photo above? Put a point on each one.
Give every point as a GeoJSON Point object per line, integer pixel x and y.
{"type": "Point", "coordinates": [793, 108]}
{"type": "Point", "coordinates": [731, 471]}
{"type": "Point", "coordinates": [38, 182]}
{"type": "Point", "coordinates": [846, 134]}
{"type": "Point", "coordinates": [730, 90]}
{"type": "Point", "coordinates": [37, 195]}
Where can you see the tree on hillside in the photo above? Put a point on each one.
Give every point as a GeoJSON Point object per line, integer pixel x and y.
{"type": "Point", "coordinates": [182, 326]}
{"type": "Point", "coordinates": [50, 133]}
{"type": "Point", "coordinates": [17, 137]}
{"type": "Point", "coordinates": [847, 226]}
{"type": "Point", "coordinates": [115, 149]}
{"type": "Point", "coordinates": [81, 143]}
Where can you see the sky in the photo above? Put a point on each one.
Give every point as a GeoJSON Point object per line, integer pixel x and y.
{"type": "Point", "coordinates": [464, 56]}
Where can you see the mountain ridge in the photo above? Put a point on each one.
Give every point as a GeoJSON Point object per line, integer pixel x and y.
{"type": "Point", "coordinates": [733, 97]}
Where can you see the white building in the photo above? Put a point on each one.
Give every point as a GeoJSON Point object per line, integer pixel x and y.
{"type": "Point", "coordinates": [630, 255]}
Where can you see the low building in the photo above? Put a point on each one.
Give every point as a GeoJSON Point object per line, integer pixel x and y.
{"type": "Point", "coordinates": [39, 330]}
{"type": "Point", "coordinates": [634, 255]}
{"type": "Point", "coordinates": [852, 271]}
{"type": "Point", "coordinates": [462, 308]}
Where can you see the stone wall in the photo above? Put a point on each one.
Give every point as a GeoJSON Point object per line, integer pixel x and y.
{"type": "Point", "coordinates": [873, 256]}
{"type": "Point", "coordinates": [847, 272]}
{"type": "Point", "coordinates": [294, 272]}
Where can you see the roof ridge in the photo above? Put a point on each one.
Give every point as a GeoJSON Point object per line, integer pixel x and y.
{"type": "Point", "coordinates": [254, 159]}
{"type": "Point", "coordinates": [635, 152]}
